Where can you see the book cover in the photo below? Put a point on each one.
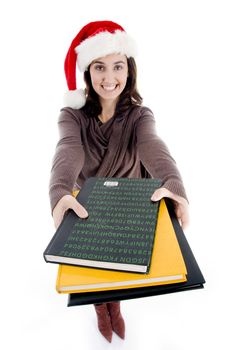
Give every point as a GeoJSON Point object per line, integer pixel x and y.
{"type": "Point", "coordinates": [119, 231]}
{"type": "Point", "coordinates": [195, 278]}
{"type": "Point", "coordinates": [167, 266]}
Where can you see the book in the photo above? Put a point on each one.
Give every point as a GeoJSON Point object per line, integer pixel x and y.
{"type": "Point", "coordinates": [119, 231]}
{"type": "Point", "coordinates": [167, 266]}
{"type": "Point", "coordinates": [195, 278]}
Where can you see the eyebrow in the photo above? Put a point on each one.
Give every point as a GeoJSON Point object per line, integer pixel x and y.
{"type": "Point", "coordinates": [100, 62]}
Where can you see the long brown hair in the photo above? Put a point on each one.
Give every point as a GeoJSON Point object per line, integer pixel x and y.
{"type": "Point", "coordinates": [129, 96]}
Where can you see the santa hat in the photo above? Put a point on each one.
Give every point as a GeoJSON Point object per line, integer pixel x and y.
{"type": "Point", "coordinates": [96, 39]}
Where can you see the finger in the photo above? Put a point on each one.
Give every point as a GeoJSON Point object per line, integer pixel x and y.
{"type": "Point", "coordinates": [183, 219]}
{"type": "Point", "coordinates": [185, 222]}
{"type": "Point", "coordinates": [58, 218]}
{"type": "Point", "coordinates": [179, 215]}
{"type": "Point", "coordinates": [57, 223]}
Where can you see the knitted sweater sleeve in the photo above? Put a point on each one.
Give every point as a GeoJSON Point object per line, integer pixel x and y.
{"type": "Point", "coordinates": [68, 159]}
{"type": "Point", "coordinates": [155, 156]}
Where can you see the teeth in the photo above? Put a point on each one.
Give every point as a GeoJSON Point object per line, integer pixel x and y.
{"type": "Point", "coordinates": [108, 87]}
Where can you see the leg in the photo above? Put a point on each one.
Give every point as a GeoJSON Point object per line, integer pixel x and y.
{"type": "Point", "coordinates": [118, 324]}
{"type": "Point", "coordinates": [104, 321]}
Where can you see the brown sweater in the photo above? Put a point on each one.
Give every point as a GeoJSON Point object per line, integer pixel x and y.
{"type": "Point", "coordinates": [124, 146]}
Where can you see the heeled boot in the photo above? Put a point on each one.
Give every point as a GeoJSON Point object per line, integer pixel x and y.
{"type": "Point", "coordinates": [118, 323]}
{"type": "Point", "coordinates": [104, 321]}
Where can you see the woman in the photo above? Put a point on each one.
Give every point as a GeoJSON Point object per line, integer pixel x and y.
{"type": "Point", "coordinates": [105, 131]}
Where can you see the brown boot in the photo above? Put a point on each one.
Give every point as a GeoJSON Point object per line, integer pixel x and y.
{"type": "Point", "coordinates": [118, 324]}
{"type": "Point", "coordinates": [104, 321]}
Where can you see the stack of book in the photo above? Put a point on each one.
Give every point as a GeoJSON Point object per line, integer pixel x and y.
{"type": "Point", "coordinates": [128, 247]}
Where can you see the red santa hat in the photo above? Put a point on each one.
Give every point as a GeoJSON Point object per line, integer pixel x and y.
{"type": "Point", "coordinates": [96, 39]}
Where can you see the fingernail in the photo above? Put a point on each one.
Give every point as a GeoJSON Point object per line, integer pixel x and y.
{"type": "Point", "coordinates": [85, 213]}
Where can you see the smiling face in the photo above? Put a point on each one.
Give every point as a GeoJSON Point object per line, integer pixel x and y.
{"type": "Point", "coordinates": [109, 76]}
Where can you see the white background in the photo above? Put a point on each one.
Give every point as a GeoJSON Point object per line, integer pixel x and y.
{"type": "Point", "coordinates": [186, 77]}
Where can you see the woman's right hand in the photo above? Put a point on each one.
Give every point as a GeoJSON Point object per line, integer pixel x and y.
{"type": "Point", "coordinates": [65, 203]}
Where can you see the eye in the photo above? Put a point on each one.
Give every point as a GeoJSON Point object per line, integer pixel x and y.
{"type": "Point", "coordinates": [118, 67]}
{"type": "Point", "coordinates": [99, 67]}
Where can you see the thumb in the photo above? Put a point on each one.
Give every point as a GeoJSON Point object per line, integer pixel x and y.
{"type": "Point", "coordinates": [157, 195]}
{"type": "Point", "coordinates": [80, 210]}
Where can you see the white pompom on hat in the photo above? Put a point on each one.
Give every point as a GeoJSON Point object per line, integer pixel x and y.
{"type": "Point", "coordinates": [95, 40]}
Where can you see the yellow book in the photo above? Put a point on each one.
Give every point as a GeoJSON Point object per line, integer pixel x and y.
{"type": "Point", "coordinates": [167, 266]}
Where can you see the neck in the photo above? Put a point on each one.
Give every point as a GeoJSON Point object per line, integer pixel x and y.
{"type": "Point", "coordinates": [108, 109]}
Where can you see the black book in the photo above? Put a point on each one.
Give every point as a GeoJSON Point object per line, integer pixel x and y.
{"type": "Point", "coordinates": [119, 231]}
{"type": "Point", "coordinates": [195, 279]}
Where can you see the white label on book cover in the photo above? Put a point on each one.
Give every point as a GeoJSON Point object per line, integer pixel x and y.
{"type": "Point", "coordinates": [111, 183]}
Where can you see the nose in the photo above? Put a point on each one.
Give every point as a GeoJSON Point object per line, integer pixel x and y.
{"type": "Point", "coordinates": [109, 76]}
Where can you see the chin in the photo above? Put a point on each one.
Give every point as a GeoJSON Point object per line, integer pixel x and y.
{"type": "Point", "coordinates": [109, 96]}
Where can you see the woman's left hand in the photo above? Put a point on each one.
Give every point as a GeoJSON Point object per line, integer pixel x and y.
{"type": "Point", "coordinates": [181, 205]}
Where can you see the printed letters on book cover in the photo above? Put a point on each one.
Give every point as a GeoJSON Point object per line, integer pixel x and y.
{"type": "Point", "coordinates": [167, 266]}
{"type": "Point", "coordinates": [119, 231]}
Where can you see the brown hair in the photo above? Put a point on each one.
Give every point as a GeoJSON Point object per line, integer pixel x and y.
{"type": "Point", "coordinates": [129, 96]}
